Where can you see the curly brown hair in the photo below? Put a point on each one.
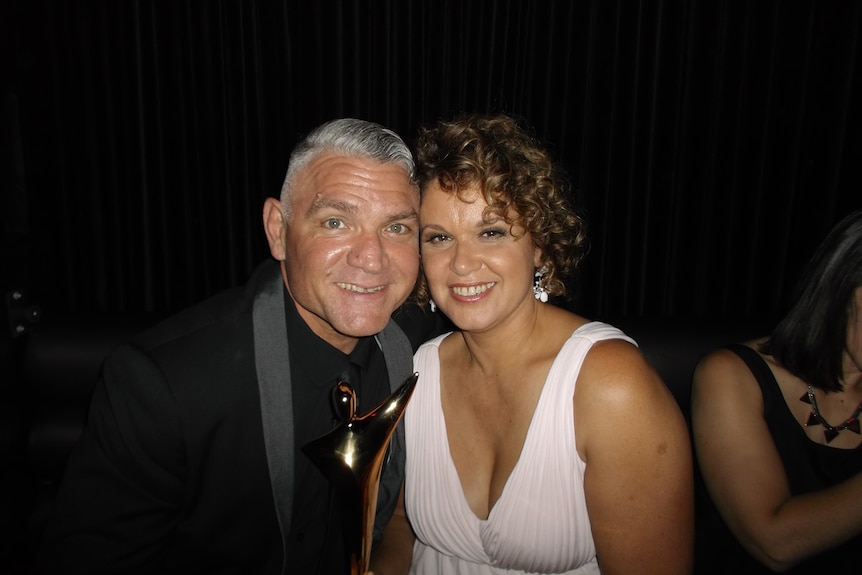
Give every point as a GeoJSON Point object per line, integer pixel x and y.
{"type": "Point", "coordinates": [517, 179]}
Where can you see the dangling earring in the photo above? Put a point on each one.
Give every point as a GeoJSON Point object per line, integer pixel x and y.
{"type": "Point", "coordinates": [433, 306]}
{"type": "Point", "coordinates": [538, 289]}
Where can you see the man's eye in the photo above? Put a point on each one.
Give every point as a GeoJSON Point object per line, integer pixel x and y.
{"type": "Point", "coordinates": [334, 223]}
{"type": "Point", "coordinates": [398, 228]}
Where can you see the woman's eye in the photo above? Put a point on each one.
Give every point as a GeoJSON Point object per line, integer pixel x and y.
{"type": "Point", "coordinates": [494, 233]}
{"type": "Point", "coordinates": [434, 238]}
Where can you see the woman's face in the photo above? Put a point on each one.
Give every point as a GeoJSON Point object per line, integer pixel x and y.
{"type": "Point", "coordinates": [478, 272]}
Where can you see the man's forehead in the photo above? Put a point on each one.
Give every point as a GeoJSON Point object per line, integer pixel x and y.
{"type": "Point", "coordinates": [353, 205]}
{"type": "Point", "coordinates": [332, 161]}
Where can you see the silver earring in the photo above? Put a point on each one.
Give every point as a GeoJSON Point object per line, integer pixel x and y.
{"type": "Point", "coordinates": [538, 289]}
{"type": "Point", "coordinates": [433, 306]}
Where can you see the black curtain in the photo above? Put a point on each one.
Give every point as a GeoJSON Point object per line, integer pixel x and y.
{"type": "Point", "coordinates": [711, 144]}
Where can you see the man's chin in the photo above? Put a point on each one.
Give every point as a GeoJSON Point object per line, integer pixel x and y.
{"type": "Point", "coordinates": [364, 328]}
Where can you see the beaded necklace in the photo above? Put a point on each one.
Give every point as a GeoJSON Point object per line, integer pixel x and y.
{"type": "Point", "coordinates": [830, 431]}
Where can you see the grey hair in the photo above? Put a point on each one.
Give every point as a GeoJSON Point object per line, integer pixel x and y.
{"type": "Point", "coordinates": [350, 137]}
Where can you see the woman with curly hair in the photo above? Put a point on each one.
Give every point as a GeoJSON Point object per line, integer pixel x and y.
{"type": "Point", "coordinates": [538, 441]}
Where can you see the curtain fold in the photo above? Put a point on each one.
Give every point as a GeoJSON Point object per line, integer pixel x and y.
{"type": "Point", "coordinates": [710, 144]}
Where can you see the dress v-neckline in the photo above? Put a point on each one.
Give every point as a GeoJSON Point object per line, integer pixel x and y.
{"type": "Point", "coordinates": [452, 468]}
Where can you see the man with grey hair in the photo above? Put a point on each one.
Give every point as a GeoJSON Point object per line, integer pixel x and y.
{"type": "Point", "coordinates": [192, 458]}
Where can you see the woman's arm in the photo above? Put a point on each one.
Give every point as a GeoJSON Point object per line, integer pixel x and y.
{"type": "Point", "coordinates": [638, 480]}
{"type": "Point", "coordinates": [746, 479]}
{"type": "Point", "coordinates": [395, 552]}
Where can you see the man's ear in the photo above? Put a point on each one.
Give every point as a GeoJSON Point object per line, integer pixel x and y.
{"type": "Point", "coordinates": [273, 225]}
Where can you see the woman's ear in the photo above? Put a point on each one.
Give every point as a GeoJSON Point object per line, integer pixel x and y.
{"type": "Point", "coordinates": [274, 226]}
{"type": "Point", "coordinates": [537, 258]}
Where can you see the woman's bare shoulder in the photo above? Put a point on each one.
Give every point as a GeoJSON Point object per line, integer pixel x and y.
{"type": "Point", "coordinates": [724, 369]}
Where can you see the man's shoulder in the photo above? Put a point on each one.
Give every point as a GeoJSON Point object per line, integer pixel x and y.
{"type": "Point", "coordinates": [220, 316]}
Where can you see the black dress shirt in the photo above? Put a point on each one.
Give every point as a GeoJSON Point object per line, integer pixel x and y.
{"type": "Point", "coordinates": [315, 542]}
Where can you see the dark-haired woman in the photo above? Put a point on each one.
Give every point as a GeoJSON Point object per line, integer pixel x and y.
{"type": "Point", "coordinates": [776, 428]}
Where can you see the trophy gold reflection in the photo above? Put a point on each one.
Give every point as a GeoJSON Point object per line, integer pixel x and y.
{"type": "Point", "coordinates": [351, 457]}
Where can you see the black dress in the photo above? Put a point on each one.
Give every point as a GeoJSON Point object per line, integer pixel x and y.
{"type": "Point", "coordinates": [809, 467]}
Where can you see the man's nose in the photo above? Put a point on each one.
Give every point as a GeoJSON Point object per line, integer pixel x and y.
{"type": "Point", "coordinates": [368, 252]}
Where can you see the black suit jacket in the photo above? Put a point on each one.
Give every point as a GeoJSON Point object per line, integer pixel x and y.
{"type": "Point", "coordinates": [186, 465]}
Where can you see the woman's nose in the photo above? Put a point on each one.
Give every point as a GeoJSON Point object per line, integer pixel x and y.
{"type": "Point", "coordinates": [464, 259]}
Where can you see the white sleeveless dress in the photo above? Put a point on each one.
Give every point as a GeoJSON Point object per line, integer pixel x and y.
{"type": "Point", "coordinates": [540, 522]}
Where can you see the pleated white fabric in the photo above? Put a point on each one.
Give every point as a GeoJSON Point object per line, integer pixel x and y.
{"type": "Point", "coordinates": [540, 522]}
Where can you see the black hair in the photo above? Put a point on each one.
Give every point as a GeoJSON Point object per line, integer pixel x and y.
{"type": "Point", "coordinates": [810, 339]}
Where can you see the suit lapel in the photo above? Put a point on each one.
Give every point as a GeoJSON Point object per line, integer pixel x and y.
{"type": "Point", "coordinates": [399, 362]}
{"type": "Point", "coordinates": [276, 400]}
{"type": "Point", "coordinates": [397, 354]}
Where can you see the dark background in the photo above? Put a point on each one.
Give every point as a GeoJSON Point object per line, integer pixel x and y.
{"type": "Point", "coordinates": [711, 144]}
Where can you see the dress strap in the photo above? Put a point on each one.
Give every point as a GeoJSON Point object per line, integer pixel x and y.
{"type": "Point", "coordinates": [754, 362]}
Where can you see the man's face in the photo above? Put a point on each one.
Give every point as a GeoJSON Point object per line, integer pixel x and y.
{"type": "Point", "coordinates": [350, 249]}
